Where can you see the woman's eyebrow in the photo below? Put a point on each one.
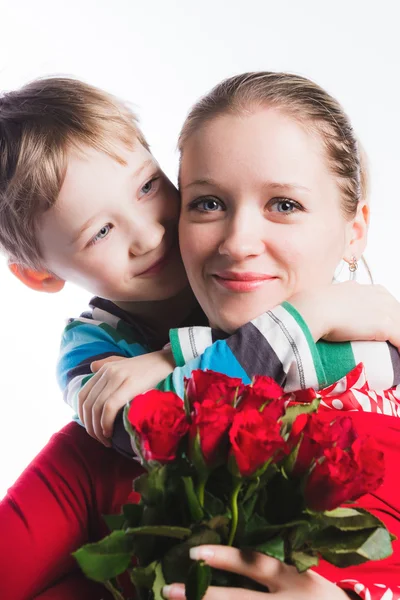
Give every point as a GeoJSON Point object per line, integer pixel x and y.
{"type": "Point", "coordinates": [200, 182]}
{"type": "Point", "coordinates": [267, 184]}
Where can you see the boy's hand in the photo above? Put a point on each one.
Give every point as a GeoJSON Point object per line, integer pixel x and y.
{"type": "Point", "coordinates": [115, 382]}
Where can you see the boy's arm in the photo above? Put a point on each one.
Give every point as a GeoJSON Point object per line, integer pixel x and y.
{"type": "Point", "coordinates": [83, 342]}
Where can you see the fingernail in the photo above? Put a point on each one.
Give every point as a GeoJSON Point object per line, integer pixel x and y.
{"type": "Point", "coordinates": [173, 592]}
{"type": "Point", "coordinates": [201, 553]}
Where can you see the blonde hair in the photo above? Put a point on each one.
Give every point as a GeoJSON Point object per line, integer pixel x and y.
{"type": "Point", "coordinates": [306, 102]}
{"type": "Point", "coordinates": [39, 124]}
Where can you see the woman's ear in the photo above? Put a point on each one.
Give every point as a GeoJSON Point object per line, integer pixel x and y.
{"type": "Point", "coordinates": [357, 239]}
{"type": "Point", "coordinates": [41, 281]}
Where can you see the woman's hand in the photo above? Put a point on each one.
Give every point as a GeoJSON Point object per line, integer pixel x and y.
{"type": "Point", "coordinates": [280, 580]}
{"type": "Point", "coordinates": [115, 382]}
{"type": "Point", "coordinates": [350, 311]}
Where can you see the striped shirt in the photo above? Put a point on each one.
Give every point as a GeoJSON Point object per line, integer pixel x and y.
{"type": "Point", "coordinates": [278, 344]}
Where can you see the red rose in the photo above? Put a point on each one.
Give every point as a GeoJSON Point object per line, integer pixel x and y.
{"type": "Point", "coordinates": [211, 421]}
{"type": "Point", "coordinates": [268, 386]}
{"type": "Point", "coordinates": [331, 482]}
{"type": "Point", "coordinates": [134, 498]}
{"type": "Point", "coordinates": [371, 463]}
{"type": "Point", "coordinates": [255, 439]}
{"type": "Point", "coordinates": [256, 398]}
{"type": "Point", "coordinates": [212, 386]}
{"type": "Point", "coordinates": [319, 431]}
{"type": "Point", "coordinates": [160, 423]}
{"type": "Point", "coordinates": [344, 476]}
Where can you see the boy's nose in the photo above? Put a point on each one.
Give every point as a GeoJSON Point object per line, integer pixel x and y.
{"type": "Point", "coordinates": [146, 238]}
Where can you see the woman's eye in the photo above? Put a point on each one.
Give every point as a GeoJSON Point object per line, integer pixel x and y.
{"type": "Point", "coordinates": [104, 231]}
{"type": "Point", "coordinates": [148, 186]}
{"type": "Point", "coordinates": [207, 205]}
{"type": "Point", "coordinates": [284, 205]}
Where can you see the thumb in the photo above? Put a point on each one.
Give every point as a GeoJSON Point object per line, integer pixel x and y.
{"type": "Point", "coordinates": [97, 364]}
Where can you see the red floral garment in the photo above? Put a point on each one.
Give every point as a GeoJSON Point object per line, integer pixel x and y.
{"type": "Point", "coordinates": [377, 580]}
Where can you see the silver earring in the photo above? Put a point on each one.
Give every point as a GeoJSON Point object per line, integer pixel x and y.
{"type": "Point", "coordinates": [353, 266]}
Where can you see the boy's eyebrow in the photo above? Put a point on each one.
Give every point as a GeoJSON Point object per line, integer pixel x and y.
{"type": "Point", "coordinates": [143, 166]}
{"type": "Point", "coordinates": [82, 230]}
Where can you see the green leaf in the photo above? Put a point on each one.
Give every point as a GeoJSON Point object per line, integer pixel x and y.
{"type": "Point", "coordinates": [274, 547]}
{"type": "Point", "coordinates": [214, 505]}
{"type": "Point", "coordinates": [170, 531]}
{"type": "Point", "coordinates": [343, 548]}
{"type": "Point", "coordinates": [114, 522]}
{"type": "Point", "coordinates": [292, 412]}
{"type": "Point", "coordinates": [159, 583]}
{"type": "Point", "coordinates": [106, 559]}
{"type": "Point", "coordinates": [177, 562]}
{"type": "Point", "coordinates": [303, 561]}
{"type": "Point", "coordinates": [151, 486]}
{"type": "Point", "coordinates": [133, 514]}
{"type": "Point", "coordinates": [143, 577]}
{"type": "Point", "coordinates": [198, 580]}
{"type": "Point", "coordinates": [349, 519]}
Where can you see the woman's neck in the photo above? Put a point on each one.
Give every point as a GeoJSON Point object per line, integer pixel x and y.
{"type": "Point", "coordinates": [159, 316]}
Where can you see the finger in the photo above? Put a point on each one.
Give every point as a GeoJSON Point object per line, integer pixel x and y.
{"type": "Point", "coordinates": [87, 408]}
{"type": "Point", "coordinates": [97, 411]}
{"type": "Point", "coordinates": [83, 395]}
{"type": "Point", "coordinates": [117, 400]}
{"type": "Point", "coordinates": [264, 569]}
{"type": "Point", "coordinates": [176, 591]}
{"type": "Point", "coordinates": [97, 364]}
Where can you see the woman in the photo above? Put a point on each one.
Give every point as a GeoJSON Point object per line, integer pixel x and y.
{"type": "Point", "coordinates": [287, 279]}
{"type": "Point", "coordinates": [272, 198]}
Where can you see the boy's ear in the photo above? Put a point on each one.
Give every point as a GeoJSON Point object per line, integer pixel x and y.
{"type": "Point", "coordinates": [41, 281]}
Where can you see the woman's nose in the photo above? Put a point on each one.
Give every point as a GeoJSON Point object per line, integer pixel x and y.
{"type": "Point", "coordinates": [242, 241]}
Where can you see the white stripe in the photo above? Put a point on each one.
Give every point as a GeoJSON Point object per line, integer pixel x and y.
{"type": "Point", "coordinates": [72, 390]}
{"type": "Point", "coordinates": [377, 363]}
{"type": "Point", "coordinates": [275, 334]}
{"type": "Point", "coordinates": [105, 317]}
{"type": "Point", "coordinates": [194, 341]}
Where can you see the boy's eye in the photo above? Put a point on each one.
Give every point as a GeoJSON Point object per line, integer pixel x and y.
{"type": "Point", "coordinates": [104, 231]}
{"type": "Point", "coordinates": [284, 205]}
{"type": "Point", "coordinates": [207, 205]}
{"type": "Point", "coordinates": [148, 186]}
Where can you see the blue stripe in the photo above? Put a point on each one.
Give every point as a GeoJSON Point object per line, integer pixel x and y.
{"type": "Point", "coordinates": [216, 358]}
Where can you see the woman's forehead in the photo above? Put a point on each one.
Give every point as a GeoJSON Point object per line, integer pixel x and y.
{"type": "Point", "coordinates": [266, 144]}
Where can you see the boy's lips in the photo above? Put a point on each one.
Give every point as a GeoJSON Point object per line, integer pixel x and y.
{"type": "Point", "coordinates": [237, 281]}
{"type": "Point", "coordinates": [158, 265]}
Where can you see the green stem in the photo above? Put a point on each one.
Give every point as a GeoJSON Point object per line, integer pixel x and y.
{"type": "Point", "coordinates": [200, 489]}
{"type": "Point", "coordinates": [234, 510]}
{"type": "Point", "coordinates": [116, 594]}
{"type": "Point", "coordinates": [196, 511]}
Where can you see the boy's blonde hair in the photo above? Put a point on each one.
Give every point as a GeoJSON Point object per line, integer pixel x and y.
{"type": "Point", "coordinates": [39, 125]}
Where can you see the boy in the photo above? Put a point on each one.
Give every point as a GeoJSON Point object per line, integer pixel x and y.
{"type": "Point", "coordinates": [83, 200]}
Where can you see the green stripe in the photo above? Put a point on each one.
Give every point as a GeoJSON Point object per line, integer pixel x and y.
{"type": "Point", "coordinates": [319, 367]}
{"type": "Point", "coordinates": [167, 384]}
{"type": "Point", "coordinates": [176, 348]}
{"type": "Point", "coordinates": [337, 359]}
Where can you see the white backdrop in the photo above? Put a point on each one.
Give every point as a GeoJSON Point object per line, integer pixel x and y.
{"type": "Point", "coordinates": [162, 55]}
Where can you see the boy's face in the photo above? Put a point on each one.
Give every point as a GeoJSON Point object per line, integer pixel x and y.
{"type": "Point", "coordinates": [113, 229]}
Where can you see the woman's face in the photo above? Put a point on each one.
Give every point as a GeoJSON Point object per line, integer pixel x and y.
{"type": "Point", "coordinates": [261, 215]}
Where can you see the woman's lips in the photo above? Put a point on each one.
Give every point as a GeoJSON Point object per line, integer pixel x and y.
{"type": "Point", "coordinates": [241, 282]}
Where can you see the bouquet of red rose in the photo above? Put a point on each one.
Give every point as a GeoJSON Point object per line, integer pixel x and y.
{"type": "Point", "coordinates": [243, 465]}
